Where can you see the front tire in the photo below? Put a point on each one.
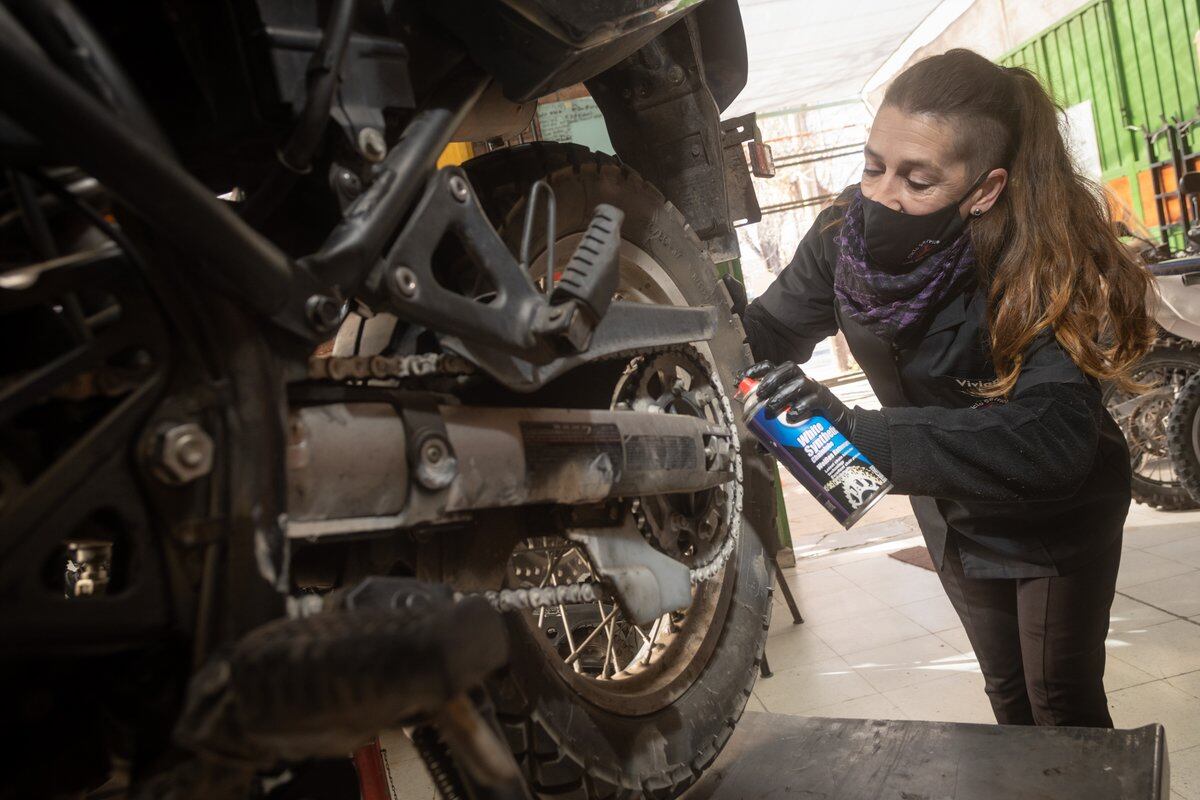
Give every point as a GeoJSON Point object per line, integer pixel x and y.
{"type": "Point", "coordinates": [1183, 436]}
{"type": "Point", "coordinates": [1143, 420]}
{"type": "Point", "coordinates": [584, 747]}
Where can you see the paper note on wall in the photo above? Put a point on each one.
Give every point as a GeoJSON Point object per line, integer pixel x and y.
{"type": "Point", "coordinates": [1079, 131]}
{"type": "Point", "coordinates": [578, 121]}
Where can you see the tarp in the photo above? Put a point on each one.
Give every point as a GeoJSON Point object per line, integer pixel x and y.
{"type": "Point", "coordinates": [809, 52]}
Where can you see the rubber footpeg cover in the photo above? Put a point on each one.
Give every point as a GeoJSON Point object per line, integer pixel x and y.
{"type": "Point", "coordinates": [591, 276]}
{"type": "Point", "coordinates": [318, 687]}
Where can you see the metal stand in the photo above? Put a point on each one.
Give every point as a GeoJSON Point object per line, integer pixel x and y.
{"type": "Point", "coordinates": [778, 755]}
{"type": "Point", "coordinates": [764, 667]}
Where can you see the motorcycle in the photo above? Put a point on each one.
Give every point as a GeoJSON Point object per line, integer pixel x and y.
{"type": "Point", "coordinates": [1179, 289]}
{"type": "Point", "coordinates": [1165, 370]}
{"type": "Point", "coordinates": [303, 439]}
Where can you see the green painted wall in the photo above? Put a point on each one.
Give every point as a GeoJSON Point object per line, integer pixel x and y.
{"type": "Point", "coordinates": [1135, 60]}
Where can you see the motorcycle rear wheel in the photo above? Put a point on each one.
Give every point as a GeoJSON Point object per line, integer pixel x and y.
{"type": "Point", "coordinates": [652, 736]}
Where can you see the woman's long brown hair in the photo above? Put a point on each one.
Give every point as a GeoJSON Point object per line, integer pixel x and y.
{"type": "Point", "coordinates": [1048, 251]}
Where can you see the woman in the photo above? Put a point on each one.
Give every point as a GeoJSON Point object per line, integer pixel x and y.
{"type": "Point", "coordinates": [979, 283]}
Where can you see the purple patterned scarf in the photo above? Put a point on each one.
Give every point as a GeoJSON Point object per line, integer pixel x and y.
{"type": "Point", "coordinates": [892, 305]}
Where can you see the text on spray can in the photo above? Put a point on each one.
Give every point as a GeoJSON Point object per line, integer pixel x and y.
{"type": "Point", "coordinates": [826, 463]}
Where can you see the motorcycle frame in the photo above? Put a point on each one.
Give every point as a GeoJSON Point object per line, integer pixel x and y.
{"type": "Point", "coordinates": [216, 561]}
{"type": "Point", "coordinates": [134, 161]}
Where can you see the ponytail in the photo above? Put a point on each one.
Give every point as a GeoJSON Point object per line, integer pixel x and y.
{"type": "Point", "coordinates": [1048, 252]}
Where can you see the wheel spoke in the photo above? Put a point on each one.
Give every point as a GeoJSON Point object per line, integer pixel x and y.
{"type": "Point", "coordinates": [566, 622]}
{"type": "Point", "coordinates": [551, 563]}
{"type": "Point", "coordinates": [650, 643]}
{"type": "Point", "coordinates": [576, 652]}
{"type": "Point", "coordinates": [609, 667]}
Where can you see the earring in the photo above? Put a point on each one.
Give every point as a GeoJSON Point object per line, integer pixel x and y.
{"type": "Point", "coordinates": [976, 212]}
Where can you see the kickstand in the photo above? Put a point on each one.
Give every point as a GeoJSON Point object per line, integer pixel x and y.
{"type": "Point", "coordinates": [764, 667]}
{"type": "Point", "coordinates": [782, 585]}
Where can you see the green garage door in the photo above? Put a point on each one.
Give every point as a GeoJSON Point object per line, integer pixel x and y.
{"type": "Point", "coordinates": [1136, 61]}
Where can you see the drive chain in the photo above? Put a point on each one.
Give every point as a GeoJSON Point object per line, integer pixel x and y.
{"type": "Point", "coordinates": [544, 597]}
{"type": "Point", "coordinates": [421, 365]}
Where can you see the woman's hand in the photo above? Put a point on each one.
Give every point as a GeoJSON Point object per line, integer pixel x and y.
{"type": "Point", "coordinates": [786, 386]}
{"type": "Point", "coordinates": [737, 294]}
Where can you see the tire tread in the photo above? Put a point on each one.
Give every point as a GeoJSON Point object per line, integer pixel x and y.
{"type": "Point", "coordinates": [502, 180]}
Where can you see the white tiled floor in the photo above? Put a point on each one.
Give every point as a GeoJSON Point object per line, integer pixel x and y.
{"type": "Point", "coordinates": [881, 640]}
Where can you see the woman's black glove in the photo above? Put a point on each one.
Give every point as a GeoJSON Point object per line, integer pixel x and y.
{"type": "Point", "coordinates": [737, 294]}
{"type": "Point", "coordinates": [786, 386]}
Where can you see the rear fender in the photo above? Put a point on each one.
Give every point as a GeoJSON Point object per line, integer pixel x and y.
{"type": "Point", "coordinates": [663, 118]}
{"type": "Point", "coordinates": [1178, 307]}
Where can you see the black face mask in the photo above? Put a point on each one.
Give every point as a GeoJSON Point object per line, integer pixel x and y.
{"type": "Point", "coordinates": [897, 241]}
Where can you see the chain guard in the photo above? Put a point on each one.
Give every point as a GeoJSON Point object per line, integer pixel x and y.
{"type": "Point", "coordinates": [704, 562]}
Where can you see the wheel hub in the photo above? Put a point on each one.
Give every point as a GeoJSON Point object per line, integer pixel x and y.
{"type": "Point", "coordinates": [1148, 424]}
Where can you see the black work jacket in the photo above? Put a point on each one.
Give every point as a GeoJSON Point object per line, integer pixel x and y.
{"type": "Point", "coordinates": [1031, 486]}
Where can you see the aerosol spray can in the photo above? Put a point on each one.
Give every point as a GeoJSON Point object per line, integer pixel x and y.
{"type": "Point", "coordinates": [832, 469]}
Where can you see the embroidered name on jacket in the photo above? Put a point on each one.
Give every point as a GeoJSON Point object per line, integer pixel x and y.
{"type": "Point", "coordinates": [974, 384]}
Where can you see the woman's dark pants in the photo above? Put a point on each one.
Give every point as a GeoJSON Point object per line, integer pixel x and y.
{"type": "Point", "coordinates": [1039, 641]}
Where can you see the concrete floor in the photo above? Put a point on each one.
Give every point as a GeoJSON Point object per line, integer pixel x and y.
{"type": "Point", "coordinates": [882, 641]}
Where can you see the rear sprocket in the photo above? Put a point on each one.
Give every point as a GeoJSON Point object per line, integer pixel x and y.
{"type": "Point", "coordinates": [696, 528]}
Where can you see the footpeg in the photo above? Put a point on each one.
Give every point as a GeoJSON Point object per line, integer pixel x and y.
{"type": "Point", "coordinates": [393, 650]}
{"type": "Point", "coordinates": [582, 293]}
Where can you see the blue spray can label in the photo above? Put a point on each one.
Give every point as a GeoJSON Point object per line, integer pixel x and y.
{"type": "Point", "coordinates": [825, 462]}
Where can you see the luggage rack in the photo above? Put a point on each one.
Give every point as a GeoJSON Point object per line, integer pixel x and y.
{"type": "Point", "coordinates": [1177, 208]}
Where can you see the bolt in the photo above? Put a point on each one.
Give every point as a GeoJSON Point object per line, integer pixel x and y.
{"type": "Point", "coordinates": [437, 466]}
{"type": "Point", "coordinates": [433, 451]}
{"type": "Point", "coordinates": [192, 451]}
{"type": "Point", "coordinates": [696, 150]}
{"type": "Point", "coordinates": [675, 74]}
{"type": "Point", "coordinates": [324, 313]}
{"type": "Point", "coordinates": [371, 144]}
{"type": "Point", "coordinates": [406, 281]}
{"type": "Point", "coordinates": [348, 183]}
{"type": "Point", "coordinates": [459, 188]}
{"type": "Point", "coordinates": [184, 453]}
